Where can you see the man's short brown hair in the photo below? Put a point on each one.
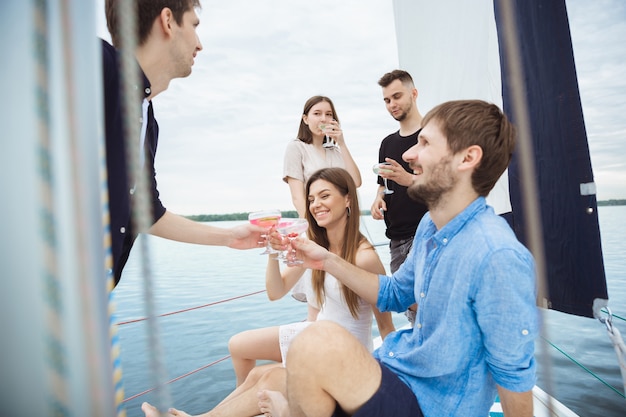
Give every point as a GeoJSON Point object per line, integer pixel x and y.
{"type": "Point", "coordinates": [147, 11]}
{"type": "Point", "coordinates": [398, 74]}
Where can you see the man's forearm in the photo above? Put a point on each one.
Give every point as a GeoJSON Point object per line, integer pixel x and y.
{"type": "Point", "coordinates": [516, 404]}
{"type": "Point", "coordinates": [362, 282]}
{"type": "Point", "coordinates": [174, 227]}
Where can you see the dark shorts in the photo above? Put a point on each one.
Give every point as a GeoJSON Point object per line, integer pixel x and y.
{"type": "Point", "coordinates": [394, 398]}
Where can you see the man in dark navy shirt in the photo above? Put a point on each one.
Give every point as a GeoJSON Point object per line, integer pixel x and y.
{"type": "Point", "coordinates": [166, 47]}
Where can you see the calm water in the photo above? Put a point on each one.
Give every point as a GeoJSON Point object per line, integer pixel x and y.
{"type": "Point", "coordinates": [193, 275]}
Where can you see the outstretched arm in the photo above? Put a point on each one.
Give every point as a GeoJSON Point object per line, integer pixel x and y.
{"type": "Point", "coordinates": [174, 227]}
{"type": "Point", "coordinates": [362, 282]}
{"type": "Point", "coordinates": [368, 259]}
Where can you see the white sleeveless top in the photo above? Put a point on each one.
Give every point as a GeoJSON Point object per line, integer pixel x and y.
{"type": "Point", "coordinates": [334, 309]}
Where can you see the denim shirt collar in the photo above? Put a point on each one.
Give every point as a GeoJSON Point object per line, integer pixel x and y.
{"type": "Point", "coordinates": [447, 232]}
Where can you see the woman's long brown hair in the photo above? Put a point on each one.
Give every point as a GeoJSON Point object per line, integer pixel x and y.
{"type": "Point", "coordinates": [352, 236]}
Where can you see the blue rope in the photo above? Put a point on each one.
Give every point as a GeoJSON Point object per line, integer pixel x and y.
{"type": "Point", "coordinates": [585, 368]}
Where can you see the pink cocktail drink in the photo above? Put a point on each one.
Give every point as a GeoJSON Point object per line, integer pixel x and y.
{"type": "Point", "coordinates": [266, 222]}
{"type": "Point", "coordinates": [266, 219]}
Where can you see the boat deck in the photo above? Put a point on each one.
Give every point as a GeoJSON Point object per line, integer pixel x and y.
{"type": "Point", "coordinates": [544, 406]}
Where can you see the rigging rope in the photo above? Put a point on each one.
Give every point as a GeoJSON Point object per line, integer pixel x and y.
{"type": "Point", "coordinates": [192, 308]}
{"type": "Point", "coordinates": [118, 381]}
{"type": "Point", "coordinates": [141, 209]}
{"type": "Point", "coordinates": [528, 181]}
{"type": "Point", "coordinates": [208, 365]}
{"type": "Point", "coordinates": [582, 366]}
{"type": "Point", "coordinates": [56, 353]}
{"type": "Point", "coordinates": [82, 257]}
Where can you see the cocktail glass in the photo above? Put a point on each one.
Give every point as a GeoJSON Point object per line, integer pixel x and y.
{"type": "Point", "coordinates": [265, 219]}
{"type": "Point", "coordinates": [291, 228]}
{"type": "Point", "coordinates": [328, 142]}
{"type": "Point", "coordinates": [380, 168]}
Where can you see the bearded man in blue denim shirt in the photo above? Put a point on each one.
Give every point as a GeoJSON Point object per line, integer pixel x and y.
{"type": "Point", "coordinates": [473, 282]}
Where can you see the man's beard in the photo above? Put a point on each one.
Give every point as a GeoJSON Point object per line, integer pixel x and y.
{"type": "Point", "coordinates": [404, 113]}
{"type": "Point", "coordinates": [401, 117]}
{"type": "Point", "coordinates": [441, 181]}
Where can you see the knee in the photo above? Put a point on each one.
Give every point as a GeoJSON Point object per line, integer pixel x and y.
{"type": "Point", "coordinates": [255, 374]}
{"type": "Point", "coordinates": [235, 344]}
{"type": "Point", "coordinates": [317, 341]}
{"type": "Point", "coordinates": [274, 379]}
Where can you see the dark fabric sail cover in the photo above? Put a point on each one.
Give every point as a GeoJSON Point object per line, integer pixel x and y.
{"type": "Point", "coordinates": [575, 267]}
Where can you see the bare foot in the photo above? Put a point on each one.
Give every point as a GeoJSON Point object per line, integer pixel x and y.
{"type": "Point", "coordinates": [151, 411]}
{"type": "Point", "coordinates": [273, 403]}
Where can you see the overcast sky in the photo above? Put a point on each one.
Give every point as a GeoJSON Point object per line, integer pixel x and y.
{"type": "Point", "coordinates": [224, 129]}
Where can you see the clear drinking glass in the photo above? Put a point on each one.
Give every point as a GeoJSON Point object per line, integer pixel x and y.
{"type": "Point", "coordinates": [265, 219]}
{"type": "Point", "coordinates": [291, 228]}
{"type": "Point", "coordinates": [380, 168]}
{"type": "Point", "coordinates": [328, 142]}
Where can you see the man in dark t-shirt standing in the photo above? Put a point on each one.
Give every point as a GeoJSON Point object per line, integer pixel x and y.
{"type": "Point", "coordinates": [400, 212]}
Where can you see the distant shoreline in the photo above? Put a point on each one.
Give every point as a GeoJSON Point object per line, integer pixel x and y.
{"type": "Point", "coordinates": [612, 203]}
{"type": "Point", "coordinates": [293, 214]}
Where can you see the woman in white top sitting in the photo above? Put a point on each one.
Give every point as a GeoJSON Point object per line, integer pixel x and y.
{"type": "Point", "coordinates": [334, 217]}
{"type": "Point", "coordinates": [334, 220]}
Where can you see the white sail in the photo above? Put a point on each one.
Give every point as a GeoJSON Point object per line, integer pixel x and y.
{"type": "Point", "coordinates": [450, 48]}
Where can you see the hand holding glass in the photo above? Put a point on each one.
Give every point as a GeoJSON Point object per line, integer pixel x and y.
{"type": "Point", "coordinates": [328, 142]}
{"type": "Point", "coordinates": [291, 228]}
{"type": "Point", "coordinates": [380, 168]}
{"type": "Point", "coordinates": [265, 219]}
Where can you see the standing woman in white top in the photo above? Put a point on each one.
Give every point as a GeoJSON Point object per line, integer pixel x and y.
{"type": "Point", "coordinates": [305, 155]}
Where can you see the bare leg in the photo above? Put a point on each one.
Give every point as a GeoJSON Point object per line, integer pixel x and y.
{"type": "Point", "coordinates": [251, 381]}
{"type": "Point", "coordinates": [242, 400]}
{"type": "Point", "coordinates": [274, 403]}
{"type": "Point", "coordinates": [246, 403]}
{"type": "Point", "coordinates": [326, 366]}
{"type": "Point", "coordinates": [249, 346]}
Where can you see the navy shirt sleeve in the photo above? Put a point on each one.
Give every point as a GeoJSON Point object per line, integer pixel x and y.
{"type": "Point", "coordinates": [120, 190]}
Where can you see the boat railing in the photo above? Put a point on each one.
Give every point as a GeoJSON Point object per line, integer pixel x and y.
{"type": "Point", "coordinates": [561, 351]}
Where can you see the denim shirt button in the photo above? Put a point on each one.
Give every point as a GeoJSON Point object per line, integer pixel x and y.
{"type": "Point", "coordinates": [418, 325]}
{"type": "Point", "coordinates": [391, 354]}
{"type": "Point", "coordinates": [525, 332]}
{"type": "Point", "coordinates": [422, 295]}
{"type": "Point", "coordinates": [445, 240]}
